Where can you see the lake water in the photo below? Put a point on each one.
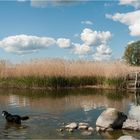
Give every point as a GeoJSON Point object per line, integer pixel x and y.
{"type": "Point", "coordinates": [50, 110]}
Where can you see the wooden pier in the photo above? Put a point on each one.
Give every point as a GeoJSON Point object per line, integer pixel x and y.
{"type": "Point", "coordinates": [133, 81]}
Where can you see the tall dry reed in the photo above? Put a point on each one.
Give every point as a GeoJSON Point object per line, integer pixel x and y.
{"type": "Point", "coordinates": [58, 67]}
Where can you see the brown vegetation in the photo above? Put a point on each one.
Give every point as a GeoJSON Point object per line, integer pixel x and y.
{"type": "Point", "coordinates": [54, 67]}
{"type": "Point", "coordinates": [57, 73]}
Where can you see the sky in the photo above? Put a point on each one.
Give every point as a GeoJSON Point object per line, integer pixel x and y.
{"type": "Point", "coordinates": [73, 30]}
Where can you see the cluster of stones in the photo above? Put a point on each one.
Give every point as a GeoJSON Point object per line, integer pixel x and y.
{"type": "Point", "coordinates": [79, 126]}
{"type": "Point", "coordinates": [111, 119]}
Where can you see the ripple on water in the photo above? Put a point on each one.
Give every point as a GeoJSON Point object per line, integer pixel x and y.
{"type": "Point", "coordinates": [14, 131]}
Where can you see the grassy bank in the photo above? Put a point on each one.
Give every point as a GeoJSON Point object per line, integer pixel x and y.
{"type": "Point", "coordinates": [63, 74]}
{"type": "Point", "coordinates": [59, 82]}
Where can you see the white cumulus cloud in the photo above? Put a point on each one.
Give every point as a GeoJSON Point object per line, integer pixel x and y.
{"type": "Point", "coordinates": [131, 19]}
{"type": "Point", "coordinates": [101, 57]}
{"type": "Point", "coordinates": [22, 44]}
{"type": "Point", "coordinates": [104, 49]}
{"type": "Point", "coordinates": [81, 49]}
{"type": "Point", "coordinates": [91, 41]}
{"type": "Point", "coordinates": [39, 3]}
{"type": "Point", "coordinates": [45, 3]}
{"type": "Point", "coordinates": [63, 42]}
{"type": "Point", "coordinates": [134, 3]}
{"type": "Point", "coordinates": [87, 22]}
{"type": "Point", "coordinates": [103, 53]}
{"type": "Point", "coordinates": [94, 38]}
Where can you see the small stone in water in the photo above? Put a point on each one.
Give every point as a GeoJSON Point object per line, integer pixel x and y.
{"type": "Point", "coordinates": [70, 130]}
{"type": "Point", "coordinates": [60, 129]}
{"type": "Point", "coordinates": [90, 129]}
{"type": "Point", "coordinates": [82, 123]}
{"type": "Point", "coordinates": [83, 127]}
{"type": "Point", "coordinates": [72, 126]}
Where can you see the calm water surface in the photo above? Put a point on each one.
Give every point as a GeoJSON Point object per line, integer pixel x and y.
{"type": "Point", "coordinates": [49, 110]}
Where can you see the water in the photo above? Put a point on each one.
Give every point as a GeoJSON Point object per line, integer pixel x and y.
{"type": "Point", "coordinates": [50, 110]}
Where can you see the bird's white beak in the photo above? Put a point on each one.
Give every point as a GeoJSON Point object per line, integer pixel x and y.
{"type": "Point", "coordinates": [2, 114]}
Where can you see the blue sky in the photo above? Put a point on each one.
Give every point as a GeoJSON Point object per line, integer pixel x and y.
{"type": "Point", "coordinates": [72, 30]}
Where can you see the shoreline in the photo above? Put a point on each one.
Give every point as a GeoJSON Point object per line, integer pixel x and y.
{"type": "Point", "coordinates": [59, 82]}
{"type": "Point", "coordinates": [102, 87]}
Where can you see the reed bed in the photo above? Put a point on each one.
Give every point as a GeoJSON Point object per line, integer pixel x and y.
{"type": "Point", "coordinates": [56, 73]}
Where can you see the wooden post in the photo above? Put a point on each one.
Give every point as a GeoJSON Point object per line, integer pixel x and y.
{"type": "Point", "coordinates": [136, 78]}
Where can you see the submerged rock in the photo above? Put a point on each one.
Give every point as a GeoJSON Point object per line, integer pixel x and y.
{"type": "Point", "coordinates": [72, 125]}
{"type": "Point", "coordinates": [86, 133]}
{"type": "Point", "coordinates": [110, 118]}
{"type": "Point", "coordinates": [131, 124]}
{"type": "Point", "coordinates": [126, 137]}
{"type": "Point", "coordinates": [91, 129]}
{"type": "Point", "coordinates": [70, 130]}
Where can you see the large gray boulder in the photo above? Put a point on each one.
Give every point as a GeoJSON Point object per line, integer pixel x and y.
{"type": "Point", "coordinates": [131, 124]}
{"type": "Point", "coordinates": [110, 119]}
{"type": "Point", "coordinates": [126, 137]}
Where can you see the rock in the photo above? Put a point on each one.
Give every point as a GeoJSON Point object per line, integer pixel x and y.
{"type": "Point", "coordinates": [97, 128]}
{"type": "Point", "coordinates": [126, 137]}
{"type": "Point", "coordinates": [86, 133]}
{"type": "Point", "coordinates": [100, 129]}
{"type": "Point", "coordinates": [109, 129]}
{"type": "Point", "coordinates": [110, 118]}
{"type": "Point", "coordinates": [72, 125]}
{"type": "Point", "coordinates": [70, 130]}
{"type": "Point", "coordinates": [60, 130]}
{"type": "Point", "coordinates": [82, 123]}
{"type": "Point", "coordinates": [83, 127]}
{"type": "Point", "coordinates": [90, 129]}
{"type": "Point", "coordinates": [131, 124]}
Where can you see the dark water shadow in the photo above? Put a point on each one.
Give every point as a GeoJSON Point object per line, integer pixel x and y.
{"type": "Point", "coordinates": [14, 131]}
{"type": "Point", "coordinates": [10, 125]}
{"type": "Point", "coordinates": [61, 93]}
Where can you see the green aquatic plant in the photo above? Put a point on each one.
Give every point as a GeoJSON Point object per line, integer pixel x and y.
{"type": "Point", "coordinates": [56, 82]}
